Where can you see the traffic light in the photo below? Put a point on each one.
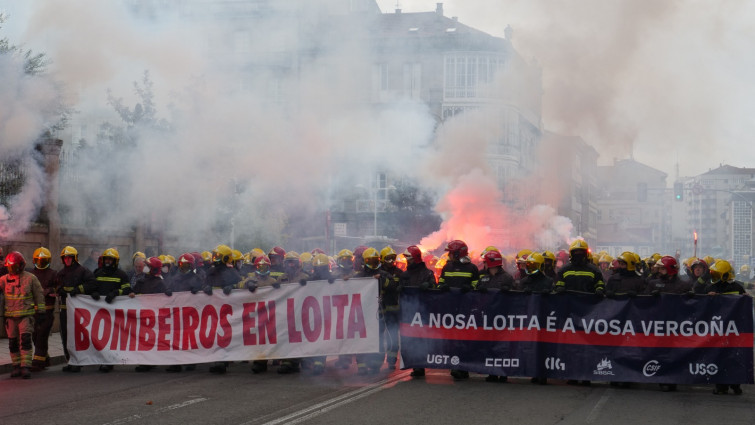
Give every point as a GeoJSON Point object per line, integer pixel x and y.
{"type": "Point", "coordinates": [679, 191]}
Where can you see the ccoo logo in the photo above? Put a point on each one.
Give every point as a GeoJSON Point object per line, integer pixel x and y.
{"type": "Point", "coordinates": [554, 363]}
{"type": "Point", "coordinates": [651, 368]}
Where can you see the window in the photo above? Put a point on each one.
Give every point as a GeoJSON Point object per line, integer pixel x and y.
{"type": "Point", "coordinates": [464, 73]}
{"type": "Point", "coordinates": [412, 79]}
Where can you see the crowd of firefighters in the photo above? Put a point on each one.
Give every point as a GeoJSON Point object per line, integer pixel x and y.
{"type": "Point", "coordinates": [29, 298]}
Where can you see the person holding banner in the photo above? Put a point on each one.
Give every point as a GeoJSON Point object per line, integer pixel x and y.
{"type": "Point", "coordinates": [72, 279]}
{"type": "Point", "coordinates": [46, 276]}
{"type": "Point", "coordinates": [344, 271]}
{"type": "Point", "coordinates": [367, 363]}
{"type": "Point", "coordinates": [24, 302]}
{"type": "Point", "coordinates": [626, 279]}
{"type": "Point", "coordinates": [261, 277]}
{"type": "Point", "coordinates": [110, 281]}
{"type": "Point", "coordinates": [699, 278]}
{"type": "Point", "coordinates": [460, 273]}
{"type": "Point", "coordinates": [579, 274]}
{"type": "Point", "coordinates": [535, 281]}
{"type": "Point", "coordinates": [151, 283]}
{"type": "Point", "coordinates": [185, 280]}
{"type": "Point", "coordinates": [292, 273]}
{"type": "Point", "coordinates": [416, 275]}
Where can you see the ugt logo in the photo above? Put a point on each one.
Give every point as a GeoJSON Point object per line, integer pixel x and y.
{"type": "Point", "coordinates": [554, 363]}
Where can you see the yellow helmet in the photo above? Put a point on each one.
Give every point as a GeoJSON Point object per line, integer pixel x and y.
{"type": "Point", "coordinates": [655, 257]}
{"type": "Point", "coordinates": [548, 255]}
{"type": "Point", "coordinates": [206, 256]}
{"type": "Point", "coordinates": [721, 271]}
{"type": "Point", "coordinates": [488, 249]}
{"type": "Point", "coordinates": [578, 244]}
{"type": "Point", "coordinates": [605, 258]}
{"type": "Point", "coordinates": [236, 255]}
{"type": "Point", "coordinates": [523, 253]}
{"type": "Point", "coordinates": [70, 251]}
{"type": "Point", "coordinates": [222, 254]}
{"type": "Point", "coordinates": [305, 257]}
{"type": "Point", "coordinates": [533, 263]}
{"type": "Point", "coordinates": [138, 254]}
{"type": "Point", "coordinates": [170, 259]}
{"type": "Point", "coordinates": [630, 258]}
{"type": "Point", "coordinates": [320, 260]}
{"type": "Point", "coordinates": [345, 253]}
{"type": "Point", "coordinates": [112, 253]}
{"type": "Point", "coordinates": [371, 258]}
{"type": "Point", "coordinates": [256, 253]}
{"type": "Point", "coordinates": [42, 258]}
{"type": "Point", "coordinates": [387, 255]}
{"type": "Point", "coordinates": [709, 260]}
{"type": "Point", "coordinates": [744, 269]}
{"type": "Point", "coordinates": [345, 259]}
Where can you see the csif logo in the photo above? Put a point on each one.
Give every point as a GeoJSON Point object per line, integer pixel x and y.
{"type": "Point", "coordinates": [703, 369]}
{"type": "Point", "coordinates": [651, 368]}
{"type": "Point", "coordinates": [554, 363]}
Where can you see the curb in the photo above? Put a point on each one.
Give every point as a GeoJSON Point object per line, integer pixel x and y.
{"type": "Point", "coordinates": [54, 361]}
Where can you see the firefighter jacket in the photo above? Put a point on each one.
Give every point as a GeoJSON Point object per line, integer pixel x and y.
{"type": "Point", "coordinates": [699, 285]}
{"type": "Point", "coordinates": [220, 276]}
{"type": "Point", "coordinates": [150, 284]}
{"type": "Point", "coordinates": [536, 282]}
{"type": "Point", "coordinates": [21, 294]}
{"type": "Point", "coordinates": [580, 277]}
{"type": "Point", "coordinates": [389, 288]}
{"type": "Point", "coordinates": [183, 282]}
{"type": "Point", "coordinates": [258, 281]}
{"type": "Point", "coordinates": [625, 281]}
{"type": "Point", "coordinates": [669, 285]}
{"type": "Point", "coordinates": [276, 271]}
{"type": "Point", "coordinates": [457, 274]}
{"type": "Point", "coordinates": [500, 280]}
{"type": "Point", "coordinates": [416, 274]}
{"type": "Point", "coordinates": [111, 280]}
{"type": "Point", "coordinates": [74, 280]}
{"type": "Point", "coordinates": [726, 288]}
{"type": "Point", "coordinates": [47, 278]}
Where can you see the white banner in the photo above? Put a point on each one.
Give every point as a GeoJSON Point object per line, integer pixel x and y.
{"type": "Point", "coordinates": [293, 321]}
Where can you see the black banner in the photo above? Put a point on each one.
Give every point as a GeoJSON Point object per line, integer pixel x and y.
{"type": "Point", "coordinates": [665, 339]}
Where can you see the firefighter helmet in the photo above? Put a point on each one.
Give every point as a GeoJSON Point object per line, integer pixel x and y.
{"type": "Point", "coordinates": [458, 248]}
{"type": "Point", "coordinates": [533, 263]}
{"type": "Point", "coordinates": [630, 258]}
{"type": "Point", "coordinates": [305, 257]}
{"type": "Point", "coordinates": [236, 255]}
{"type": "Point", "coordinates": [708, 260]}
{"type": "Point", "coordinates": [320, 260]}
{"type": "Point", "coordinates": [15, 263]}
{"type": "Point", "coordinates": [358, 259]}
{"type": "Point", "coordinates": [292, 260]}
{"type": "Point", "coordinates": [222, 254]}
{"type": "Point", "coordinates": [493, 258]}
{"type": "Point", "coordinates": [413, 254]}
{"type": "Point", "coordinates": [186, 262]}
{"type": "Point", "coordinates": [744, 269]}
{"type": "Point", "coordinates": [670, 264]}
{"type": "Point", "coordinates": [578, 244]}
{"type": "Point", "coordinates": [371, 258]}
{"type": "Point", "coordinates": [70, 251]}
{"type": "Point", "coordinates": [138, 254]}
{"type": "Point", "coordinates": [345, 259]}
{"type": "Point", "coordinates": [721, 271]}
{"type": "Point", "coordinates": [276, 251]}
{"type": "Point", "coordinates": [262, 265]}
{"type": "Point", "coordinates": [605, 258]}
{"type": "Point", "coordinates": [387, 255]}
{"type": "Point", "coordinates": [113, 254]}
{"type": "Point", "coordinates": [206, 256]}
{"type": "Point", "coordinates": [522, 254]}
{"type": "Point", "coordinates": [548, 255]}
{"type": "Point", "coordinates": [155, 265]}
{"type": "Point", "coordinates": [488, 249]}
{"type": "Point", "coordinates": [42, 258]}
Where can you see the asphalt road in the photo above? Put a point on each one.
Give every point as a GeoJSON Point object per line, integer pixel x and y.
{"type": "Point", "coordinates": [341, 397]}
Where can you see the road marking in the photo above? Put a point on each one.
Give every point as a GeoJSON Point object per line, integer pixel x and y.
{"type": "Point", "coordinates": [157, 412]}
{"type": "Point", "coordinates": [335, 402]}
{"type": "Point", "coordinates": [598, 406]}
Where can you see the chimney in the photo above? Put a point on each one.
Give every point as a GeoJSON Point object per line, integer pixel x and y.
{"type": "Point", "coordinates": [439, 8]}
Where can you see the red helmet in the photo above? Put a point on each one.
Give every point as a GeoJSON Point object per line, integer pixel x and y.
{"type": "Point", "coordinates": [317, 251]}
{"type": "Point", "coordinates": [154, 265]}
{"type": "Point", "coordinates": [276, 255]}
{"type": "Point", "coordinates": [262, 265]}
{"type": "Point", "coordinates": [493, 259]}
{"type": "Point", "coordinates": [670, 264]}
{"type": "Point", "coordinates": [186, 262]}
{"type": "Point", "coordinates": [197, 258]}
{"type": "Point", "coordinates": [457, 248]}
{"type": "Point", "coordinates": [413, 254]}
{"type": "Point", "coordinates": [15, 263]}
{"type": "Point", "coordinates": [358, 260]}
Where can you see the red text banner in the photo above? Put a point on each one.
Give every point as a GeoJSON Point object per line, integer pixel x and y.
{"type": "Point", "coordinates": [292, 321]}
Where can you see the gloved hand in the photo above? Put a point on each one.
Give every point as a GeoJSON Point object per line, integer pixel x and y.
{"type": "Point", "coordinates": [194, 291]}
{"type": "Point", "coordinates": [303, 282]}
{"type": "Point", "coordinates": [331, 280]}
{"type": "Point", "coordinates": [425, 286]}
{"type": "Point", "coordinates": [560, 289]}
{"type": "Point", "coordinates": [110, 297]}
{"type": "Point", "coordinates": [466, 288]}
{"type": "Point", "coordinates": [600, 291]}
{"type": "Point", "coordinates": [631, 293]}
{"type": "Point", "coordinates": [482, 289]}
{"type": "Point", "coordinates": [169, 293]}
{"type": "Point", "coordinates": [227, 289]}
{"type": "Point", "coordinates": [251, 286]}
{"type": "Point", "coordinates": [208, 290]}
{"type": "Point", "coordinates": [95, 296]}
{"type": "Point", "coordinates": [444, 287]}
{"type": "Point", "coordinates": [276, 285]}
{"type": "Point", "coordinates": [656, 293]}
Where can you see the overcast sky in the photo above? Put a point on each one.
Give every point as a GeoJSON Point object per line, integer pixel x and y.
{"type": "Point", "coordinates": [665, 81]}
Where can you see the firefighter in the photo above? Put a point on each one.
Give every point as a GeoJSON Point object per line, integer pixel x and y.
{"type": "Point", "coordinates": [626, 280]}
{"type": "Point", "coordinates": [24, 302]}
{"type": "Point", "coordinates": [521, 256]}
{"type": "Point", "coordinates": [482, 257]}
{"type": "Point", "coordinates": [292, 273]}
{"type": "Point", "coordinates": [419, 276]}
{"type": "Point", "coordinates": [389, 305]}
{"type": "Point", "coordinates": [549, 264]}
{"type": "Point", "coordinates": [699, 277]}
{"type": "Point", "coordinates": [535, 280]}
{"type": "Point", "coordinates": [604, 264]}
{"type": "Point", "coordinates": [722, 282]}
{"type": "Point", "coordinates": [320, 271]}
{"type": "Point", "coordinates": [344, 265]}
{"type": "Point", "coordinates": [276, 256]}
{"type": "Point", "coordinates": [744, 274]}
{"type": "Point", "coordinates": [261, 277]}
{"type": "Point", "coordinates": [370, 268]}
{"type": "Point", "coordinates": [460, 273]}
{"type": "Point", "coordinates": [185, 280]}
{"type": "Point", "coordinates": [110, 281]}
{"type": "Point", "coordinates": [3, 269]}
{"type": "Point", "coordinates": [197, 266]}
{"type": "Point", "coordinates": [358, 259]}
{"type": "Point", "coordinates": [579, 274]}
{"type": "Point", "coordinates": [222, 274]}
{"type": "Point", "coordinates": [151, 283]}
{"type": "Point", "coordinates": [305, 258]}
{"type": "Point", "coordinates": [72, 279]}
{"type": "Point", "coordinates": [42, 328]}
{"type": "Point", "coordinates": [494, 276]}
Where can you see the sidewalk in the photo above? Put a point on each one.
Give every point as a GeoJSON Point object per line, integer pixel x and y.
{"type": "Point", "coordinates": [56, 353]}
